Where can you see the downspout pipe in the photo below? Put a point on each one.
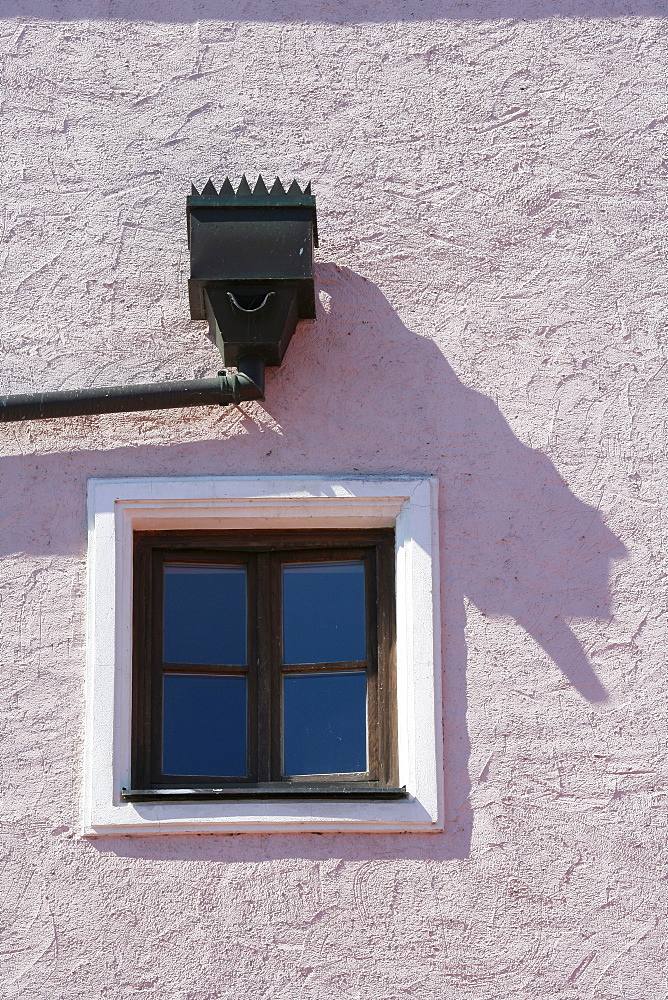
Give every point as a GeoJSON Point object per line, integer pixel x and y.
{"type": "Point", "coordinates": [248, 383]}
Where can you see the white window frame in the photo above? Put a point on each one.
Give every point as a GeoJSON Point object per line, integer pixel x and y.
{"type": "Point", "coordinates": [119, 507]}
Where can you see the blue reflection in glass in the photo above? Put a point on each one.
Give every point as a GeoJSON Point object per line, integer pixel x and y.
{"type": "Point", "coordinates": [205, 614]}
{"type": "Point", "coordinates": [323, 612]}
{"type": "Point", "coordinates": [204, 725]}
{"type": "Point", "coordinates": [324, 723]}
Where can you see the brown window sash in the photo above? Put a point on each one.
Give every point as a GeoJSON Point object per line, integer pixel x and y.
{"type": "Point", "coordinates": [263, 553]}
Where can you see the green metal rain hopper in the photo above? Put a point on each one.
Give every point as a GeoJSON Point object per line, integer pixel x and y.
{"type": "Point", "coordinates": [251, 265]}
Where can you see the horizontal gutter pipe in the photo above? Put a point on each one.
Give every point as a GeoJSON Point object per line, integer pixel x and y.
{"type": "Point", "coordinates": [220, 391]}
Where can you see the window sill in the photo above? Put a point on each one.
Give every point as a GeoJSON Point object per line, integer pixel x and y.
{"type": "Point", "coordinates": [342, 791]}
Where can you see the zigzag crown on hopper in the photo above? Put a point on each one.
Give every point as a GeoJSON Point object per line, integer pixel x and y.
{"type": "Point", "coordinates": [258, 197]}
{"type": "Point", "coordinates": [276, 195]}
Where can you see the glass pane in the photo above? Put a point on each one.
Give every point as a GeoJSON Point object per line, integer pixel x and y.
{"type": "Point", "coordinates": [324, 617]}
{"type": "Point", "coordinates": [324, 723]}
{"type": "Point", "coordinates": [205, 614]}
{"type": "Point", "coordinates": [204, 725]}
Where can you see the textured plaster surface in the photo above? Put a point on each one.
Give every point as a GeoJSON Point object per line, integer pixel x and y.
{"type": "Point", "coordinates": [491, 195]}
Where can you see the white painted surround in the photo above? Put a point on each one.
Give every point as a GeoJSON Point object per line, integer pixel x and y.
{"type": "Point", "coordinates": [118, 507]}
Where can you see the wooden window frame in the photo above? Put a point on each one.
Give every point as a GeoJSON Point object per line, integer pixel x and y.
{"type": "Point", "coordinates": [264, 551]}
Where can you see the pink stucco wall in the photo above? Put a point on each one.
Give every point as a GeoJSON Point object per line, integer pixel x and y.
{"type": "Point", "coordinates": [492, 309]}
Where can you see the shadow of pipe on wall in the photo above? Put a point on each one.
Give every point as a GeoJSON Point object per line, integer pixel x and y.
{"type": "Point", "coordinates": [360, 393]}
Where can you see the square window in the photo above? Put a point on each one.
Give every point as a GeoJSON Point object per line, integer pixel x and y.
{"type": "Point", "coordinates": [263, 655]}
{"type": "Point", "coordinates": [263, 663]}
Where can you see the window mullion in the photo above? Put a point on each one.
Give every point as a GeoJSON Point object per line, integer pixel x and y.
{"type": "Point", "coordinates": [252, 673]}
{"type": "Point", "coordinates": [262, 666]}
{"type": "Point", "coordinates": [274, 672]}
